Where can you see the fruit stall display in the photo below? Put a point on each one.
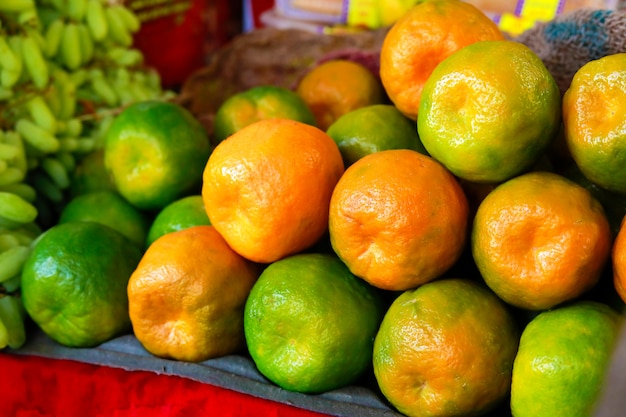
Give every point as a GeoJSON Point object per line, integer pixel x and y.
{"type": "Point", "coordinates": [421, 219]}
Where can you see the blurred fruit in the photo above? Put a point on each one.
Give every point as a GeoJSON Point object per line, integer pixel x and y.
{"type": "Point", "coordinates": [155, 152]}
{"type": "Point", "coordinates": [446, 349]}
{"type": "Point", "coordinates": [594, 120]}
{"type": "Point", "coordinates": [109, 208]}
{"type": "Point", "coordinates": [187, 296]}
{"type": "Point", "coordinates": [74, 283]}
{"type": "Point", "coordinates": [258, 103]}
{"type": "Point", "coordinates": [267, 188]}
{"type": "Point", "coordinates": [423, 37]}
{"type": "Point", "coordinates": [391, 10]}
{"type": "Point", "coordinates": [398, 219]}
{"type": "Point", "coordinates": [90, 175]}
{"type": "Point", "coordinates": [371, 129]}
{"type": "Point", "coordinates": [489, 111]}
{"type": "Point", "coordinates": [562, 359]}
{"type": "Point", "coordinates": [180, 214]}
{"type": "Point", "coordinates": [618, 261]}
{"type": "Point", "coordinates": [334, 88]}
{"type": "Point", "coordinates": [310, 324]}
{"type": "Point", "coordinates": [539, 240]}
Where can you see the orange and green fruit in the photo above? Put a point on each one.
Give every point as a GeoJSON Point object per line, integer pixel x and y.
{"type": "Point", "coordinates": [424, 36]}
{"type": "Point", "coordinates": [489, 111]}
{"type": "Point", "coordinates": [562, 360]}
{"type": "Point", "coordinates": [594, 121]}
{"type": "Point", "coordinates": [398, 219]}
{"type": "Point", "coordinates": [618, 261]}
{"type": "Point", "coordinates": [258, 103]}
{"type": "Point", "coordinates": [180, 214]}
{"type": "Point", "coordinates": [267, 188]}
{"type": "Point", "coordinates": [446, 349]}
{"type": "Point", "coordinates": [310, 324]}
{"type": "Point", "coordinates": [90, 175]}
{"type": "Point", "coordinates": [539, 240]}
{"type": "Point", "coordinates": [187, 295]}
{"type": "Point", "coordinates": [372, 129]}
{"type": "Point", "coordinates": [155, 152]}
{"type": "Point", "coordinates": [109, 208]}
{"type": "Point", "coordinates": [74, 283]}
{"type": "Point", "coordinates": [333, 88]}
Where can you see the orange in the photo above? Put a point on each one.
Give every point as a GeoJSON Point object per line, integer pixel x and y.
{"type": "Point", "coordinates": [563, 357]}
{"type": "Point", "coordinates": [539, 240]}
{"type": "Point", "coordinates": [310, 324]}
{"type": "Point", "coordinates": [74, 283]}
{"type": "Point", "coordinates": [187, 295]}
{"type": "Point", "coordinates": [90, 175]}
{"type": "Point", "coordinates": [594, 120]}
{"type": "Point", "coordinates": [155, 152]}
{"type": "Point", "coordinates": [618, 260]}
{"type": "Point", "coordinates": [371, 129]}
{"type": "Point", "coordinates": [180, 214]}
{"type": "Point", "coordinates": [398, 219]}
{"type": "Point", "coordinates": [267, 188]}
{"type": "Point", "coordinates": [489, 111]}
{"type": "Point", "coordinates": [257, 103]}
{"type": "Point", "coordinates": [423, 37]}
{"type": "Point", "coordinates": [446, 349]}
{"type": "Point", "coordinates": [335, 87]}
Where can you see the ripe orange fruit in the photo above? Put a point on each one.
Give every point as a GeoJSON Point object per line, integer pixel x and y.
{"type": "Point", "coordinates": [594, 120]}
{"type": "Point", "coordinates": [539, 240]}
{"type": "Point", "coordinates": [446, 349]}
{"type": "Point", "coordinates": [618, 260]}
{"type": "Point", "coordinates": [310, 324]}
{"type": "Point", "coordinates": [267, 188]}
{"type": "Point", "coordinates": [336, 87]}
{"type": "Point", "coordinates": [562, 360]}
{"type": "Point", "coordinates": [187, 295]}
{"type": "Point", "coordinates": [489, 111]}
{"type": "Point", "coordinates": [398, 219]}
{"type": "Point", "coordinates": [423, 37]}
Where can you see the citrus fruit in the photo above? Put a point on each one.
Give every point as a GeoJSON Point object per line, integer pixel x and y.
{"type": "Point", "coordinates": [595, 122]}
{"type": "Point", "coordinates": [333, 88]}
{"type": "Point", "coordinates": [424, 36]}
{"type": "Point", "coordinates": [109, 208]}
{"type": "Point", "coordinates": [398, 219]}
{"type": "Point", "coordinates": [539, 240]}
{"type": "Point", "coordinates": [74, 283]}
{"type": "Point", "coordinates": [446, 348]}
{"type": "Point", "coordinates": [90, 174]}
{"type": "Point", "coordinates": [258, 103]}
{"type": "Point", "coordinates": [267, 188]}
{"type": "Point", "coordinates": [562, 360]}
{"type": "Point", "coordinates": [618, 261]}
{"type": "Point", "coordinates": [310, 324]}
{"type": "Point", "coordinates": [489, 111]}
{"type": "Point", "coordinates": [179, 214]}
{"type": "Point", "coordinates": [155, 152]}
{"type": "Point", "coordinates": [371, 129]}
{"type": "Point", "coordinates": [187, 295]}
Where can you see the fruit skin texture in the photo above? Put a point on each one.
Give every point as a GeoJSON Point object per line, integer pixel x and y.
{"type": "Point", "coordinates": [423, 37]}
{"type": "Point", "coordinates": [539, 240]}
{"type": "Point", "coordinates": [180, 214]}
{"type": "Point", "coordinates": [187, 295]}
{"type": "Point", "coordinates": [445, 348]}
{"type": "Point", "coordinates": [155, 152]}
{"type": "Point", "coordinates": [333, 88]}
{"type": "Point", "coordinates": [489, 111]}
{"type": "Point", "coordinates": [562, 359]}
{"type": "Point", "coordinates": [618, 260]}
{"type": "Point", "coordinates": [595, 122]}
{"type": "Point", "coordinates": [74, 283]}
{"type": "Point", "coordinates": [267, 188]}
{"type": "Point", "coordinates": [310, 324]}
{"type": "Point", "coordinates": [398, 219]}
{"type": "Point", "coordinates": [258, 103]}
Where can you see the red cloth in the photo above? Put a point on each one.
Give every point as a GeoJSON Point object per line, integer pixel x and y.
{"type": "Point", "coordinates": [32, 386]}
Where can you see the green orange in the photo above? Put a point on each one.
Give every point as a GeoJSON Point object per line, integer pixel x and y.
{"type": "Point", "coordinates": [180, 214]}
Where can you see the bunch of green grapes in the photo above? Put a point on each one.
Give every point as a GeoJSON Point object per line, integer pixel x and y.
{"type": "Point", "coordinates": [67, 67]}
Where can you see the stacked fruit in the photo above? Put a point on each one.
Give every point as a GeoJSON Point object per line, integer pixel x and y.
{"type": "Point", "coordinates": [66, 68]}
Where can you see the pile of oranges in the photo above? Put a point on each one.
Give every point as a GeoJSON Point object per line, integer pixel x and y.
{"type": "Point", "coordinates": [464, 224]}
